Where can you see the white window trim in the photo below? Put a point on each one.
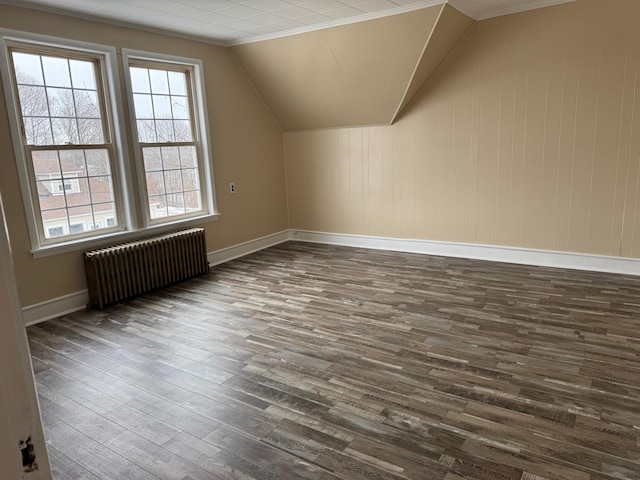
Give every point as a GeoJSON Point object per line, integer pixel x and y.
{"type": "Point", "coordinates": [124, 206]}
{"type": "Point", "coordinates": [208, 196]}
{"type": "Point", "coordinates": [133, 226]}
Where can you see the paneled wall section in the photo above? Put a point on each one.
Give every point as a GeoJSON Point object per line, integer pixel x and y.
{"type": "Point", "coordinates": [528, 135]}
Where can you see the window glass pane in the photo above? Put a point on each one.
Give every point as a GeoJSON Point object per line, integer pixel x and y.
{"type": "Point", "coordinates": [162, 106]}
{"type": "Point", "coordinates": [37, 131]}
{"type": "Point", "coordinates": [82, 74]}
{"type": "Point", "coordinates": [66, 193]}
{"type": "Point", "coordinates": [164, 130]}
{"type": "Point", "coordinates": [81, 214]}
{"type": "Point", "coordinates": [28, 68]}
{"type": "Point", "coordinates": [140, 80]}
{"type": "Point", "coordinates": [100, 188]}
{"type": "Point", "coordinates": [103, 211]}
{"type": "Point", "coordinates": [72, 163]}
{"type": "Point", "coordinates": [155, 183]}
{"type": "Point", "coordinates": [173, 181]}
{"type": "Point", "coordinates": [76, 191]}
{"type": "Point", "coordinates": [180, 107]}
{"type": "Point", "coordinates": [90, 131]}
{"type": "Point", "coordinates": [47, 188]}
{"type": "Point", "coordinates": [56, 72]}
{"type": "Point", "coordinates": [183, 130]}
{"type": "Point", "coordinates": [97, 162]}
{"type": "Point", "coordinates": [54, 219]}
{"type": "Point", "coordinates": [159, 81]}
{"type": "Point", "coordinates": [76, 228]}
{"type": "Point", "coordinates": [65, 130]}
{"type": "Point", "coordinates": [33, 101]}
{"type": "Point", "coordinates": [190, 179]}
{"type": "Point", "coordinates": [52, 232]}
{"type": "Point", "coordinates": [175, 203]}
{"type": "Point", "coordinates": [61, 103]}
{"type": "Point", "coordinates": [87, 105]}
{"type": "Point", "coordinates": [152, 159]}
{"type": "Point", "coordinates": [192, 201]}
{"type": "Point", "coordinates": [158, 207]}
{"type": "Point", "coordinates": [170, 158]}
{"type": "Point", "coordinates": [177, 83]}
{"type": "Point", "coordinates": [187, 157]}
{"type": "Point", "coordinates": [143, 105]}
{"type": "Point", "coordinates": [46, 164]}
{"type": "Point", "coordinates": [146, 131]}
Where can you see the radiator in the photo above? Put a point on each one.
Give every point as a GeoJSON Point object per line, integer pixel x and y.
{"type": "Point", "coordinates": [123, 271]}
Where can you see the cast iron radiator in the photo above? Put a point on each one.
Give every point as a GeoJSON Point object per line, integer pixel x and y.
{"type": "Point", "coordinates": [129, 269]}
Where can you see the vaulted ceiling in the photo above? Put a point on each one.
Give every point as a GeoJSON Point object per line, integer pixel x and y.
{"type": "Point", "coordinates": [316, 63]}
{"type": "Point", "coordinates": [230, 22]}
{"type": "Point", "coordinates": [358, 74]}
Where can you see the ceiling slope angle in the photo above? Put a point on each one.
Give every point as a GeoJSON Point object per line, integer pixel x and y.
{"type": "Point", "coordinates": [445, 35]}
{"type": "Point", "coordinates": [349, 75]}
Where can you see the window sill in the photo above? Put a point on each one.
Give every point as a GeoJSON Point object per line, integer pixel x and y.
{"type": "Point", "coordinates": [119, 237]}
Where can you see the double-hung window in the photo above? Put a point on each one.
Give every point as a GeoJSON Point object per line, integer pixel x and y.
{"type": "Point", "coordinates": [66, 136]}
{"type": "Point", "coordinates": [71, 146]}
{"type": "Point", "coordinates": [168, 136]}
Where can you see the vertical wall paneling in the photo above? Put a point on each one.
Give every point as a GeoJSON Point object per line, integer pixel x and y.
{"type": "Point", "coordinates": [615, 30]}
{"type": "Point", "coordinates": [347, 75]}
{"type": "Point", "coordinates": [525, 136]}
{"type": "Point", "coordinates": [631, 176]}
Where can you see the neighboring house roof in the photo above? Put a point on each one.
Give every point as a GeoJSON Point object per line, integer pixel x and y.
{"type": "Point", "coordinates": [53, 203]}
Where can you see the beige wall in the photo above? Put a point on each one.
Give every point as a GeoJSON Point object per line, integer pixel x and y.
{"type": "Point", "coordinates": [354, 74]}
{"type": "Point", "coordinates": [247, 150]}
{"type": "Point", "coordinates": [526, 136]}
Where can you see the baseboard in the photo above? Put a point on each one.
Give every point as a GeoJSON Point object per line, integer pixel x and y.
{"type": "Point", "coordinates": [56, 307]}
{"type": "Point", "coordinates": [230, 253]}
{"type": "Point", "coordinates": [73, 302]}
{"type": "Point", "coordinates": [544, 258]}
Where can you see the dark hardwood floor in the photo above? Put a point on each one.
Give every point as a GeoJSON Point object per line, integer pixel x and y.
{"type": "Point", "coordinates": [316, 362]}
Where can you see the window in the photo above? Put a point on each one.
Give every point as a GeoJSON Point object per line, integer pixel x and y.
{"type": "Point", "coordinates": [164, 97]}
{"type": "Point", "coordinates": [76, 228]}
{"type": "Point", "coordinates": [55, 231]}
{"type": "Point", "coordinates": [66, 136]}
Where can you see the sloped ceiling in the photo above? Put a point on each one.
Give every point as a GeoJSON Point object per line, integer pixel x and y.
{"type": "Point", "coordinates": [358, 74]}
{"type": "Point", "coordinates": [446, 33]}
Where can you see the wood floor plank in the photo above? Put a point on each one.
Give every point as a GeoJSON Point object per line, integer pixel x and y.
{"type": "Point", "coordinates": [318, 362]}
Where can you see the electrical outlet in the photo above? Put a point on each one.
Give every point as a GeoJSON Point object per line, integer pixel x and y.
{"type": "Point", "coordinates": [232, 187]}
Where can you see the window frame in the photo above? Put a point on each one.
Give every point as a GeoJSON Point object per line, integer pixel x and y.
{"type": "Point", "coordinates": [111, 110]}
{"type": "Point", "coordinates": [133, 224]}
{"type": "Point", "coordinates": [106, 120]}
{"type": "Point", "coordinates": [200, 128]}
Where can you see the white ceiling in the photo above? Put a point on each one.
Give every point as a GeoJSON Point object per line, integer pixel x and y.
{"type": "Point", "coordinates": [230, 22]}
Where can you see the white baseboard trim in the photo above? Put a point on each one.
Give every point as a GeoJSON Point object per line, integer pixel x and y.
{"type": "Point", "coordinates": [39, 312]}
{"type": "Point", "coordinates": [56, 307]}
{"type": "Point", "coordinates": [543, 258]}
{"type": "Point", "coordinates": [230, 253]}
